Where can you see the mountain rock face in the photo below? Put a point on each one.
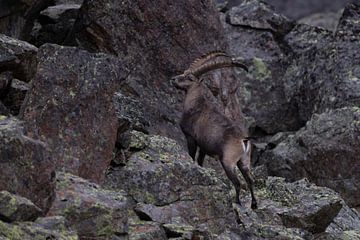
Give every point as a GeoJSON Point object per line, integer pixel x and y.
{"type": "Point", "coordinates": [156, 45]}
{"type": "Point", "coordinates": [70, 106]}
{"type": "Point", "coordinates": [90, 146]}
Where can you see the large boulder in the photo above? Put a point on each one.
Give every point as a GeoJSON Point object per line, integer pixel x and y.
{"type": "Point", "coordinates": [92, 211]}
{"type": "Point", "coordinates": [170, 189]}
{"type": "Point", "coordinates": [25, 165]}
{"type": "Point", "coordinates": [70, 106]}
{"type": "Point", "coordinates": [18, 57]}
{"type": "Point", "coordinates": [326, 151]}
{"type": "Point", "coordinates": [156, 45]}
{"type": "Point", "coordinates": [255, 31]}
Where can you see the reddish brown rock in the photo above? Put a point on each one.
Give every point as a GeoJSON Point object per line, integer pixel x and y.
{"type": "Point", "coordinates": [70, 107]}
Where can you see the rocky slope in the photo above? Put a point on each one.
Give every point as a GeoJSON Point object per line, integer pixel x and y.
{"type": "Point", "coordinates": [90, 146]}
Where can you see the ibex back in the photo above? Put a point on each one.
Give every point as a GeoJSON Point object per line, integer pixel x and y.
{"type": "Point", "coordinates": [205, 126]}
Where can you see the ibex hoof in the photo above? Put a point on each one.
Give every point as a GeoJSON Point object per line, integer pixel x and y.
{"type": "Point", "coordinates": [254, 205]}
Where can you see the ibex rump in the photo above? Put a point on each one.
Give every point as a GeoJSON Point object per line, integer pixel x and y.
{"type": "Point", "coordinates": [206, 127]}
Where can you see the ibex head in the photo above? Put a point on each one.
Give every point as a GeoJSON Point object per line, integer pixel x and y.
{"type": "Point", "coordinates": [204, 64]}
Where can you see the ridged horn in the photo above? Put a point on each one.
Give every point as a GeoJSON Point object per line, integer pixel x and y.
{"type": "Point", "coordinates": [203, 59]}
{"type": "Point", "coordinates": [218, 63]}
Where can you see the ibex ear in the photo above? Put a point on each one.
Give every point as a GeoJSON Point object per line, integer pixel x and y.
{"type": "Point", "coordinates": [247, 146]}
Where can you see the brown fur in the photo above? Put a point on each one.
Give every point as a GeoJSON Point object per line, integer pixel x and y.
{"type": "Point", "coordinates": [206, 127]}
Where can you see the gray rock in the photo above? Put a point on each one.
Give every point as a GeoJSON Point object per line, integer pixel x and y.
{"type": "Point", "coordinates": [259, 15]}
{"type": "Point", "coordinates": [92, 211]}
{"type": "Point", "coordinates": [327, 20]}
{"type": "Point", "coordinates": [256, 41]}
{"type": "Point", "coordinates": [30, 230]}
{"type": "Point", "coordinates": [54, 24]}
{"type": "Point", "coordinates": [146, 230]}
{"type": "Point", "coordinates": [171, 189]}
{"type": "Point", "coordinates": [18, 57]}
{"type": "Point", "coordinates": [324, 73]}
{"type": "Point", "coordinates": [297, 9]}
{"type": "Point", "coordinates": [16, 208]}
{"type": "Point", "coordinates": [326, 151]}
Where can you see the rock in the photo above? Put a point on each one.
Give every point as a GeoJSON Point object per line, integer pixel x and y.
{"type": "Point", "coordinates": [16, 208]}
{"type": "Point", "coordinates": [156, 46]}
{"type": "Point", "coordinates": [169, 188]}
{"type": "Point", "coordinates": [347, 220]}
{"type": "Point", "coordinates": [92, 211]}
{"type": "Point", "coordinates": [16, 95]}
{"type": "Point", "coordinates": [297, 9]}
{"type": "Point", "coordinates": [328, 20]}
{"type": "Point", "coordinates": [25, 165]}
{"type": "Point", "coordinates": [54, 24]}
{"type": "Point", "coordinates": [30, 230]}
{"type": "Point", "coordinates": [340, 236]}
{"type": "Point", "coordinates": [324, 73]}
{"type": "Point", "coordinates": [18, 57]}
{"type": "Point", "coordinates": [259, 15]}
{"type": "Point", "coordinates": [146, 230]}
{"type": "Point", "coordinates": [185, 232]}
{"type": "Point", "coordinates": [295, 205]}
{"type": "Point", "coordinates": [256, 41]}
{"type": "Point", "coordinates": [77, 117]}
{"type": "Point", "coordinates": [326, 151]}
{"type": "Point", "coordinates": [16, 16]}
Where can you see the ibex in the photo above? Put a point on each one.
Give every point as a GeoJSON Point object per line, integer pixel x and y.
{"type": "Point", "coordinates": [206, 126]}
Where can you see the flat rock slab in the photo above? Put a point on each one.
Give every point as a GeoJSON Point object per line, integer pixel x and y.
{"type": "Point", "coordinates": [25, 165]}
{"type": "Point", "coordinates": [70, 106]}
{"type": "Point", "coordinates": [298, 205]}
{"type": "Point", "coordinates": [16, 208]}
{"type": "Point", "coordinates": [31, 230]}
{"type": "Point", "coordinates": [89, 209]}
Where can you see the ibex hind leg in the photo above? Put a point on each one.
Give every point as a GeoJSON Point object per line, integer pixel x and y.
{"type": "Point", "coordinates": [250, 182]}
{"type": "Point", "coordinates": [230, 170]}
{"type": "Point", "coordinates": [200, 158]}
{"type": "Point", "coordinates": [192, 146]}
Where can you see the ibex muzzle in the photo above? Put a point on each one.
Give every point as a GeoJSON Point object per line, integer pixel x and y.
{"type": "Point", "coordinates": [207, 127]}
